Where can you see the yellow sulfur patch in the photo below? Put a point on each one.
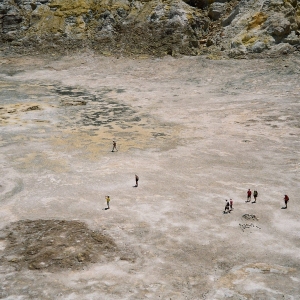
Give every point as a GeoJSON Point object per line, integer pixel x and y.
{"type": "Point", "coordinates": [257, 19]}
{"type": "Point", "coordinates": [248, 39]}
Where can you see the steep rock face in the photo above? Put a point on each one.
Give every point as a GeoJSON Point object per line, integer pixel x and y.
{"type": "Point", "coordinates": [153, 27]}
{"type": "Point", "coordinates": [137, 26]}
{"type": "Point", "coordinates": [263, 25]}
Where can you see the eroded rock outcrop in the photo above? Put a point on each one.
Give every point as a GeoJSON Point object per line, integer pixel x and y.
{"type": "Point", "coordinates": [262, 26]}
{"type": "Point", "coordinates": [121, 26]}
{"type": "Point", "coordinates": [152, 27]}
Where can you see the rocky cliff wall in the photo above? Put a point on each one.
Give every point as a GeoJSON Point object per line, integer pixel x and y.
{"type": "Point", "coordinates": [152, 27]}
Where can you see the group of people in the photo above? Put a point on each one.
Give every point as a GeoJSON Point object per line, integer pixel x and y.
{"type": "Point", "coordinates": [249, 194]}
{"type": "Point", "coordinates": [136, 176]}
{"type": "Point", "coordinates": [229, 204]}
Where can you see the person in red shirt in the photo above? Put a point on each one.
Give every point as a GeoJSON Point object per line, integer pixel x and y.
{"type": "Point", "coordinates": [249, 195]}
{"type": "Point", "coordinates": [231, 204]}
{"type": "Point", "coordinates": [286, 200]}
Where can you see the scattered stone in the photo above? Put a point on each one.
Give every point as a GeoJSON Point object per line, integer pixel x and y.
{"type": "Point", "coordinates": [249, 217]}
{"type": "Point", "coordinates": [244, 226]}
{"type": "Point", "coordinates": [73, 103]}
{"type": "Point", "coordinates": [34, 107]}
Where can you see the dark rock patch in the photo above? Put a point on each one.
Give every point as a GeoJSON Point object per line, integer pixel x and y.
{"type": "Point", "coordinates": [54, 245]}
{"type": "Point", "coordinates": [33, 107]}
{"type": "Point", "coordinates": [250, 217]}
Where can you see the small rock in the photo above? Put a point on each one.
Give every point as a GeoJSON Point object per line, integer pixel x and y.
{"type": "Point", "coordinates": [81, 257]}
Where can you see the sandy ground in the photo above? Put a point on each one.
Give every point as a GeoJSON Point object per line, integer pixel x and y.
{"type": "Point", "coordinates": [197, 132]}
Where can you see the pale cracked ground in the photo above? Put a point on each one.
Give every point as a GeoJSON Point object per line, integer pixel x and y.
{"type": "Point", "coordinates": [197, 132]}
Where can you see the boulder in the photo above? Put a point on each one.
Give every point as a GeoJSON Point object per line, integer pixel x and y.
{"type": "Point", "coordinates": [282, 48]}
{"type": "Point", "coordinates": [258, 47]}
{"type": "Point", "coordinates": [292, 39]}
{"type": "Point", "coordinates": [277, 25]}
{"type": "Point", "coordinates": [11, 22]}
{"type": "Point", "coordinates": [216, 10]}
{"type": "Point", "coordinates": [227, 21]}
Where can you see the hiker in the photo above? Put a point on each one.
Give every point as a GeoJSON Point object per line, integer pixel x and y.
{"type": "Point", "coordinates": [231, 204]}
{"type": "Point", "coordinates": [107, 201]}
{"type": "Point", "coordinates": [227, 207]}
{"type": "Point", "coordinates": [255, 194]}
{"type": "Point", "coordinates": [136, 180]}
{"type": "Point", "coordinates": [114, 146]}
{"type": "Point", "coordinates": [249, 195]}
{"type": "Point", "coordinates": [286, 200]}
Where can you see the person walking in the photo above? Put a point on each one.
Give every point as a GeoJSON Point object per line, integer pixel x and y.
{"type": "Point", "coordinates": [255, 194]}
{"type": "Point", "coordinates": [286, 200]}
{"type": "Point", "coordinates": [231, 204]}
{"type": "Point", "coordinates": [136, 180]}
{"type": "Point", "coordinates": [107, 201]}
{"type": "Point", "coordinates": [249, 195]}
{"type": "Point", "coordinates": [227, 207]}
{"type": "Point", "coordinates": [114, 146]}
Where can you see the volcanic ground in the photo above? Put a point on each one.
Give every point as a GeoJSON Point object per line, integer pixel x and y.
{"type": "Point", "coordinates": [196, 131]}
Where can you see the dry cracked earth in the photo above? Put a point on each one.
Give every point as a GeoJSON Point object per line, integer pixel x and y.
{"type": "Point", "coordinates": [196, 131]}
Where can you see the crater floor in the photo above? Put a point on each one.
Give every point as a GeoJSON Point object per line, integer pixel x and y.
{"type": "Point", "coordinates": [196, 131]}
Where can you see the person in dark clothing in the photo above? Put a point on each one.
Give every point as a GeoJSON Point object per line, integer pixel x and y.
{"type": "Point", "coordinates": [227, 207]}
{"type": "Point", "coordinates": [286, 200]}
{"type": "Point", "coordinates": [136, 180]}
{"type": "Point", "coordinates": [255, 194]}
{"type": "Point", "coordinates": [114, 146]}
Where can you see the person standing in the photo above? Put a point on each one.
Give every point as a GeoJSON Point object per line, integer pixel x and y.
{"type": "Point", "coordinates": [255, 194]}
{"type": "Point", "coordinates": [114, 146]}
{"type": "Point", "coordinates": [136, 180]}
{"type": "Point", "coordinates": [286, 200]}
{"type": "Point", "coordinates": [249, 195]}
{"type": "Point", "coordinates": [107, 201]}
{"type": "Point", "coordinates": [231, 204]}
{"type": "Point", "coordinates": [226, 207]}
